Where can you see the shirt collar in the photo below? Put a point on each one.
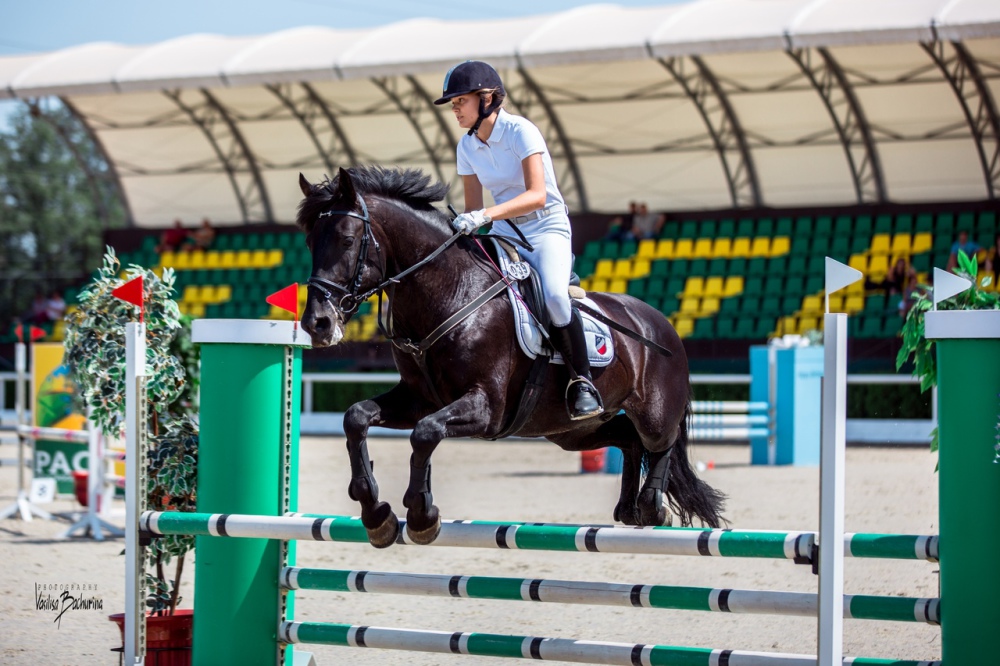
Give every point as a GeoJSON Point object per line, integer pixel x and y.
{"type": "Point", "coordinates": [503, 119]}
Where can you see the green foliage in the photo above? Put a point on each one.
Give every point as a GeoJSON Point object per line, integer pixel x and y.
{"type": "Point", "coordinates": [56, 200]}
{"type": "Point", "coordinates": [95, 355]}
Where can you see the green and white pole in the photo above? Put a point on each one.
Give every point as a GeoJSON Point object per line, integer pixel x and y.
{"type": "Point", "coordinates": [251, 372]}
{"type": "Point", "coordinates": [968, 358]}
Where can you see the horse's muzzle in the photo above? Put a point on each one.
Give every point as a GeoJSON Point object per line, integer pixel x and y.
{"type": "Point", "coordinates": [323, 322]}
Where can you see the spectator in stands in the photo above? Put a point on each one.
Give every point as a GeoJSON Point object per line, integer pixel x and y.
{"type": "Point", "coordinates": [621, 225]}
{"type": "Point", "coordinates": [172, 239]}
{"type": "Point", "coordinates": [55, 306]}
{"type": "Point", "coordinates": [38, 313]}
{"type": "Point", "coordinates": [992, 267]}
{"type": "Point", "coordinates": [964, 244]}
{"type": "Point", "coordinates": [202, 237]}
{"type": "Point", "coordinates": [646, 224]}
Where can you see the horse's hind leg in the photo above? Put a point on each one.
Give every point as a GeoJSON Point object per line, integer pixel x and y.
{"type": "Point", "coordinates": [652, 509]}
{"type": "Point", "coordinates": [394, 409]}
{"type": "Point", "coordinates": [467, 416]}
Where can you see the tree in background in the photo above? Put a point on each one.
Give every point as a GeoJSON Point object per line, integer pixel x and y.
{"type": "Point", "coordinates": [56, 201]}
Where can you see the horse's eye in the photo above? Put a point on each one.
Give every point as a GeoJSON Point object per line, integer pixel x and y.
{"type": "Point", "coordinates": [347, 241]}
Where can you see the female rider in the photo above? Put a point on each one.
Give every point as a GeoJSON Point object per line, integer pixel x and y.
{"type": "Point", "coordinates": [507, 155]}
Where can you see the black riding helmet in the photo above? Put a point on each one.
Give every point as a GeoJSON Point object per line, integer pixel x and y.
{"type": "Point", "coordinates": [469, 77]}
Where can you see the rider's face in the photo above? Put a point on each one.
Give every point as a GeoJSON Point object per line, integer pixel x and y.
{"type": "Point", "coordinates": [466, 109]}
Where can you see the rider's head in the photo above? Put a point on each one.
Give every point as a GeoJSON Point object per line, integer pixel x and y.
{"type": "Point", "coordinates": [475, 91]}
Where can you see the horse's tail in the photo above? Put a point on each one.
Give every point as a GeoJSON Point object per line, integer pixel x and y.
{"type": "Point", "coordinates": [690, 497]}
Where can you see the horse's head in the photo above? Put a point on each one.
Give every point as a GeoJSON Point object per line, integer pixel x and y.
{"type": "Point", "coordinates": [339, 235]}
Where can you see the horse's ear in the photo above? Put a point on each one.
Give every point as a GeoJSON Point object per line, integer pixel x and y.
{"type": "Point", "coordinates": [304, 185]}
{"type": "Point", "coordinates": [345, 186]}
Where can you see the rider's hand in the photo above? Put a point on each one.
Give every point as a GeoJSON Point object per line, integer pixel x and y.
{"type": "Point", "coordinates": [467, 223]}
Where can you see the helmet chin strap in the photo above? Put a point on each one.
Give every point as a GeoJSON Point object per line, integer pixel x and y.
{"type": "Point", "coordinates": [484, 113]}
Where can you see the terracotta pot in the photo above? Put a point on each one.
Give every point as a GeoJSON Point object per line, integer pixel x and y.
{"type": "Point", "coordinates": [168, 637]}
{"type": "Point", "coordinates": [80, 486]}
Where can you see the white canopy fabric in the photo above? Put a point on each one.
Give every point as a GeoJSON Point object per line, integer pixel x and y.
{"type": "Point", "coordinates": [704, 104]}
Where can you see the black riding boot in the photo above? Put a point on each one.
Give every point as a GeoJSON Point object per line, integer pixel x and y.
{"type": "Point", "coordinates": [582, 398]}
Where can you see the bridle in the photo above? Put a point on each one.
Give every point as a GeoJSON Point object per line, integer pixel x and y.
{"type": "Point", "coordinates": [352, 297]}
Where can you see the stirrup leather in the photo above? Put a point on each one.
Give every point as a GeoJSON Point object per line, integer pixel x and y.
{"type": "Point", "coordinates": [593, 391]}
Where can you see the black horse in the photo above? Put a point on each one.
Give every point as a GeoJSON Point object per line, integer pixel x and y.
{"type": "Point", "coordinates": [370, 224]}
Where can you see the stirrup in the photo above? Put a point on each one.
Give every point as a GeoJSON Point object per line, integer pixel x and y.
{"type": "Point", "coordinates": [593, 391]}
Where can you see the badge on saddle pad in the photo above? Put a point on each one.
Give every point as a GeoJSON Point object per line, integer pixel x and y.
{"type": "Point", "coordinates": [518, 270]}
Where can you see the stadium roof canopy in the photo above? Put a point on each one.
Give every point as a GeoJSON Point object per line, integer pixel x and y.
{"type": "Point", "coordinates": [705, 104]}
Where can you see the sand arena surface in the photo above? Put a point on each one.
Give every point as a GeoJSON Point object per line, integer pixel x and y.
{"type": "Point", "coordinates": [889, 490]}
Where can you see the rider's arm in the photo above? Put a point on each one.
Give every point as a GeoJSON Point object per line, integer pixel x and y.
{"type": "Point", "coordinates": [473, 193]}
{"type": "Point", "coordinates": [532, 199]}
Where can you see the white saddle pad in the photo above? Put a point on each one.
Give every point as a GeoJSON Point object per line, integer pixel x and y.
{"type": "Point", "coordinates": [600, 346]}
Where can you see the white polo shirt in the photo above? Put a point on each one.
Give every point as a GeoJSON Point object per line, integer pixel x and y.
{"type": "Point", "coordinates": [497, 163]}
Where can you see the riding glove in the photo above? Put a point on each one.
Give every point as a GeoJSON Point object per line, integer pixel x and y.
{"type": "Point", "coordinates": [467, 223]}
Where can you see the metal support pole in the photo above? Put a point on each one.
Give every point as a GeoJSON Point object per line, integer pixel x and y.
{"type": "Point", "coordinates": [90, 523]}
{"type": "Point", "coordinates": [22, 505]}
{"type": "Point", "coordinates": [135, 492]}
{"type": "Point", "coordinates": [830, 636]}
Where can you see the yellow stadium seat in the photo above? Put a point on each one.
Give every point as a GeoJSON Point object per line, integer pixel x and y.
{"type": "Point", "coordinates": [714, 287]}
{"type": "Point", "coordinates": [182, 261]}
{"type": "Point", "coordinates": [761, 247]}
{"type": "Point", "coordinates": [694, 286]}
{"type": "Point", "coordinates": [741, 248]}
{"type": "Point", "coordinates": [722, 248]}
{"type": "Point", "coordinates": [859, 261]}
{"type": "Point", "coordinates": [647, 249]}
{"type": "Point", "coordinates": [227, 259]}
{"type": "Point", "coordinates": [853, 304]}
{"type": "Point", "coordinates": [709, 305]}
{"type": "Point", "coordinates": [780, 245]}
{"type": "Point", "coordinates": [211, 260]}
{"type": "Point", "coordinates": [734, 285]}
{"type": "Point", "coordinates": [812, 305]}
{"type": "Point", "coordinates": [196, 310]}
{"type": "Point", "coordinates": [167, 258]}
{"type": "Point", "coordinates": [901, 244]}
{"type": "Point", "coordinates": [223, 293]}
{"type": "Point", "coordinates": [258, 259]}
{"type": "Point", "coordinates": [191, 294]}
{"type": "Point", "coordinates": [665, 248]}
{"type": "Point", "coordinates": [196, 259]}
{"type": "Point", "coordinates": [786, 325]}
{"type": "Point", "coordinates": [598, 284]}
{"type": "Point", "coordinates": [640, 268]}
{"type": "Point", "coordinates": [879, 266]}
{"type": "Point", "coordinates": [881, 244]}
{"type": "Point", "coordinates": [623, 269]}
{"type": "Point", "coordinates": [274, 258]}
{"type": "Point", "coordinates": [690, 305]}
{"type": "Point", "coordinates": [808, 324]}
{"type": "Point", "coordinates": [243, 259]}
{"type": "Point", "coordinates": [702, 248]}
{"type": "Point", "coordinates": [683, 248]}
{"type": "Point", "coordinates": [208, 294]}
{"type": "Point", "coordinates": [684, 326]}
{"type": "Point", "coordinates": [855, 288]}
{"type": "Point", "coordinates": [605, 268]}
{"type": "Point", "coordinates": [618, 286]}
{"type": "Point", "coordinates": [922, 242]}
{"type": "Point", "coordinates": [836, 303]}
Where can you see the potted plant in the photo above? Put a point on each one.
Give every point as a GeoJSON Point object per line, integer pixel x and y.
{"type": "Point", "coordinates": [95, 353]}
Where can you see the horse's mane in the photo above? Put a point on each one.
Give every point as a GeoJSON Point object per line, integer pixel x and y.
{"type": "Point", "coordinates": [410, 186]}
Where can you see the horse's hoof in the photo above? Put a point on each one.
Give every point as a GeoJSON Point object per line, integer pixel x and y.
{"type": "Point", "coordinates": [652, 511]}
{"type": "Point", "coordinates": [385, 526]}
{"type": "Point", "coordinates": [626, 515]}
{"type": "Point", "coordinates": [424, 536]}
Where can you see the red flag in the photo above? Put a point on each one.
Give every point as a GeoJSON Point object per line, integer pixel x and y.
{"type": "Point", "coordinates": [131, 292]}
{"type": "Point", "coordinates": [287, 299]}
{"type": "Point", "coordinates": [36, 333]}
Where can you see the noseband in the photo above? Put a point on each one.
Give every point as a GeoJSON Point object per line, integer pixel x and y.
{"type": "Point", "coordinates": [351, 297]}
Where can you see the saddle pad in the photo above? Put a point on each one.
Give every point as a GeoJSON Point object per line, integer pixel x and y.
{"type": "Point", "coordinates": [600, 346]}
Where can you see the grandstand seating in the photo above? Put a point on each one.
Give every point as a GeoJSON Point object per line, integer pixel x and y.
{"type": "Point", "coordinates": [728, 278]}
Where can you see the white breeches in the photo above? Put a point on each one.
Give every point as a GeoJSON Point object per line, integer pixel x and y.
{"type": "Point", "coordinates": [553, 261]}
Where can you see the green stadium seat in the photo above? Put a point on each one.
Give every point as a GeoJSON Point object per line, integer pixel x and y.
{"type": "Point", "coordinates": [922, 262]}
{"type": "Point", "coordinates": [669, 305]}
{"type": "Point", "coordinates": [628, 249]}
{"type": "Point", "coordinates": [753, 286]}
{"type": "Point", "coordinates": [764, 326]}
{"type": "Point", "coordinates": [592, 250]}
{"type": "Point", "coordinates": [823, 227]}
{"type": "Point", "coordinates": [814, 284]}
{"type": "Point", "coordinates": [660, 268]}
{"type": "Point", "coordinates": [840, 248]}
{"type": "Point", "coordinates": [669, 230]}
{"type": "Point", "coordinates": [797, 264]}
{"type": "Point", "coordinates": [925, 222]}
{"type": "Point", "coordinates": [943, 243]}
{"type": "Point", "coordinates": [679, 267]}
{"type": "Point", "coordinates": [777, 265]}
{"type": "Point", "coordinates": [774, 286]}
{"type": "Point", "coordinates": [863, 226]}
{"type": "Point", "coordinates": [223, 242]}
{"type": "Point", "coordinates": [941, 259]}
{"type": "Point", "coordinates": [698, 267]}
{"type": "Point", "coordinates": [707, 229]}
{"type": "Point", "coordinates": [704, 328]}
{"type": "Point", "coordinates": [609, 250]}
{"type": "Point", "coordinates": [730, 305]}
{"type": "Point", "coordinates": [985, 239]}
{"type": "Point", "coordinates": [790, 304]}
{"type": "Point", "coordinates": [673, 287]}
{"type": "Point", "coordinates": [268, 241]}
{"type": "Point", "coordinates": [892, 326]}
{"type": "Point", "coordinates": [689, 229]}
{"type": "Point", "coordinates": [904, 224]}
{"type": "Point", "coordinates": [843, 226]}
{"type": "Point", "coordinates": [717, 267]}
{"type": "Point", "coordinates": [770, 305]}
{"type": "Point", "coordinates": [727, 229]}
{"type": "Point", "coordinates": [636, 288]}
{"type": "Point", "coordinates": [819, 246]}
{"type": "Point", "coordinates": [803, 227]}
{"type": "Point", "coordinates": [745, 229]}
{"type": "Point", "coordinates": [816, 265]}
{"type": "Point", "coordinates": [725, 326]}
{"type": "Point", "coordinates": [883, 224]}
{"type": "Point", "coordinates": [253, 241]}
{"type": "Point", "coordinates": [750, 305]}
{"type": "Point", "coordinates": [875, 304]}
{"type": "Point", "coordinates": [987, 222]}
{"type": "Point", "coordinates": [795, 285]}
{"type": "Point", "coordinates": [582, 267]}
{"type": "Point", "coordinates": [966, 222]}
{"type": "Point", "coordinates": [860, 244]}
{"type": "Point", "coordinates": [765, 227]}
{"type": "Point", "coordinates": [287, 240]}
{"type": "Point", "coordinates": [655, 288]}
{"type": "Point", "coordinates": [871, 326]}
{"type": "Point", "coordinates": [757, 266]}
{"type": "Point", "coordinates": [737, 266]}
{"type": "Point", "coordinates": [945, 224]}
{"type": "Point", "coordinates": [783, 227]}
{"type": "Point", "coordinates": [800, 245]}
{"type": "Point", "coordinates": [744, 328]}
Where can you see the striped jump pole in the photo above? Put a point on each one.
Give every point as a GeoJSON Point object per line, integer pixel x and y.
{"type": "Point", "coordinates": [548, 649]}
{"type": "Point", "coordinates": [533, 536]}
{"type": "Point", "coordinates": [720, 600]}
{"type": "Point", "coordinates": [248, 463]}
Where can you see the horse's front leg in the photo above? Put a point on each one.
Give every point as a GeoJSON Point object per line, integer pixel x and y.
{"type": "Point", "coordinates": [398, 408]}
{"type": "Point", "coordinates": [468, 416]}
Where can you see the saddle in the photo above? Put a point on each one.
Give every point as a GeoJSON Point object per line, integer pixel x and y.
{"type": "Point", "coordinates": [530, 315]}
